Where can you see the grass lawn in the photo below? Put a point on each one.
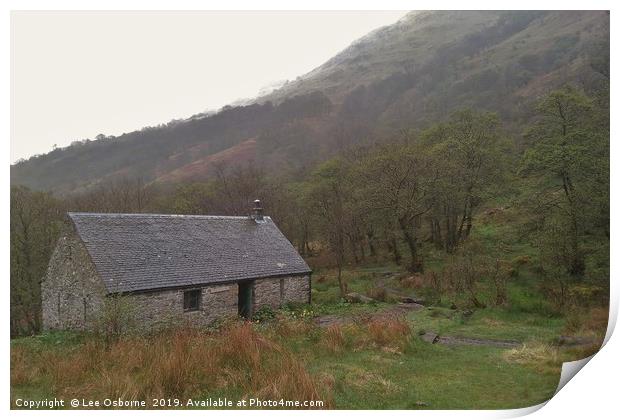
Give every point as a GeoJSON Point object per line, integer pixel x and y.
{"type": "Point", "coordinates": [434, 377]}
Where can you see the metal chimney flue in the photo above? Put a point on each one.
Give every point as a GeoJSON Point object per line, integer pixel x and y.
{"type": "Point", "coordinates": [257, 211]}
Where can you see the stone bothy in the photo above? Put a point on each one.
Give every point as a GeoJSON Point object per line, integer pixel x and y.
{"type": "Point", "coordinates": [170, 269]}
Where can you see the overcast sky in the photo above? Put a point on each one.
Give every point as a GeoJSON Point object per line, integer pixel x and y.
{"type": "Point", "coordinates": [78, 74]}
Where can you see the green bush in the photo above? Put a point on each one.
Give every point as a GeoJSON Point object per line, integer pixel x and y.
{"type": "Point", "coordinates": [264, 313]}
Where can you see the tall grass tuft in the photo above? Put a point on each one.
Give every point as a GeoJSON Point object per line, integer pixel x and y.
{"type": "Point", "coordinates": [333, 339]}
{"type": "Point", "coordinates": [287, 327]}
{"type": "Point", "coordinates": [390, 332]}
{"type": "Point", "coordinates": [543, 357]}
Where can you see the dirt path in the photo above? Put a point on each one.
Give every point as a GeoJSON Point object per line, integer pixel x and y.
{"type": "Point", "coordinates": [403, 309]}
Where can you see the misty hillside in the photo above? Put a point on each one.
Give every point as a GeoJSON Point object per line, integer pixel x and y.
{"type": "Point", "coordinates": [405, 75]}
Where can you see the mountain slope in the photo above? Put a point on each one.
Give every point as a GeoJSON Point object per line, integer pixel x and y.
{"type": "Point", "coordinates": [400, 76]}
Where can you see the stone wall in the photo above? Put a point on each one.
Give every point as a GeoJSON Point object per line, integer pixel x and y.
{"type": "Point", "coordinates": [266, 292]}
{"type": "Point", "coordinates": [71, 292]}
{"type": "Point", "coordinates": [296, 289]}
{"type": "Point", "coordinates": [277, 291]}
{"type": "Point", "coordinates": [153, 310]}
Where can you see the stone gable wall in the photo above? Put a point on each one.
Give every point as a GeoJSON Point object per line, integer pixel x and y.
{"type": "Point", "coordinates": [71, 292]}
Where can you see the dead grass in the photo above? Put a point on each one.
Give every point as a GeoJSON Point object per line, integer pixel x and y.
{"type": "Point", "coordinates": [597, 321]}
{"type": "Point", "coordinates": [543, 357]}
{"type": "Point", "coordinates": [390, 333]}
{"type": "Point", "coordinates": [360, 378]}
{"type": "Point", "coordinates": [321, 279]}
{"type": "Point", "coordinates": [588, 323]}
{"type": "Point", "coordinates": [412, 282]}
{"type": "Point", "coordinates": [377, 293]}
{"type": "Point", "coordinates": [21, 376]}
{"type": "Point", "coordinates": [174, 364]}
{"type": "Point", "coordinates": [387, 332]}
{"type": "Point", "coordinates": [333, 339]}
{"type": "Point", "coordinates": [287, 327]}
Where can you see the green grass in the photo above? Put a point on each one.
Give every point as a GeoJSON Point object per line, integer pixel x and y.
{"type": "Point", "coordinates": [490, 323]}
{"type": "Point", "coordinates": [57, 339]}
{"type": "Point", "coordinates": [433, 376]}
{"type": "Point", "coordinates": [440, 377]}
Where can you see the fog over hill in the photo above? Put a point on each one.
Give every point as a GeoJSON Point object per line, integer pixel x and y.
{"type": "Point", "coordinates": [403, 76]}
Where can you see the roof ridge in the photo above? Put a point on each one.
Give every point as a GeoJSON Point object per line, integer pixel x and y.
{"type": "Point", "coordinates": [209, 216]}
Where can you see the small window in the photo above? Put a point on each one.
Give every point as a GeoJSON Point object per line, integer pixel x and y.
{"type": "Point", "coordinates": [191, 300]}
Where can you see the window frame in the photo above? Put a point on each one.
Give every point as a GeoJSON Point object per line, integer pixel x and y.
{"type": "Point", "coordinates": [188, 296]}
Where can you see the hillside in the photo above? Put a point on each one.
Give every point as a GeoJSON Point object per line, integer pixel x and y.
{"type": "Point", "coordinates": [401, 76]}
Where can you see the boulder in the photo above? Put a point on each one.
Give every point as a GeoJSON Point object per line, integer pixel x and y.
{"type": "Point", "coordinates": [430, 337]}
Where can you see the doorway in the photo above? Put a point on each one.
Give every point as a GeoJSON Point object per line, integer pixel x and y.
{"type": "Point", "coordinates": [246, 299]}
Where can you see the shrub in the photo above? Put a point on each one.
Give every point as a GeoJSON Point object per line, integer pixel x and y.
{"type": "Point", "coordinates": [264, 313]}
{"type": "Point", "coordinates": [586, 293]}
{"type": "Point", "coordinates": [116, 318]}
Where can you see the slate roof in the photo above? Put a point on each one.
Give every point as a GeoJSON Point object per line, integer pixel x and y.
{"type": "Point", "coordinates": [140, 252]}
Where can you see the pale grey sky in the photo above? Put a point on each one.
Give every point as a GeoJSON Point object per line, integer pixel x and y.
{"type": "Point", "coordinates": [78, 74]}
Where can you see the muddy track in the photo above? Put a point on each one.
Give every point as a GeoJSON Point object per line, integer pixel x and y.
{"type": "Point", "coordinates": [402, 309]}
